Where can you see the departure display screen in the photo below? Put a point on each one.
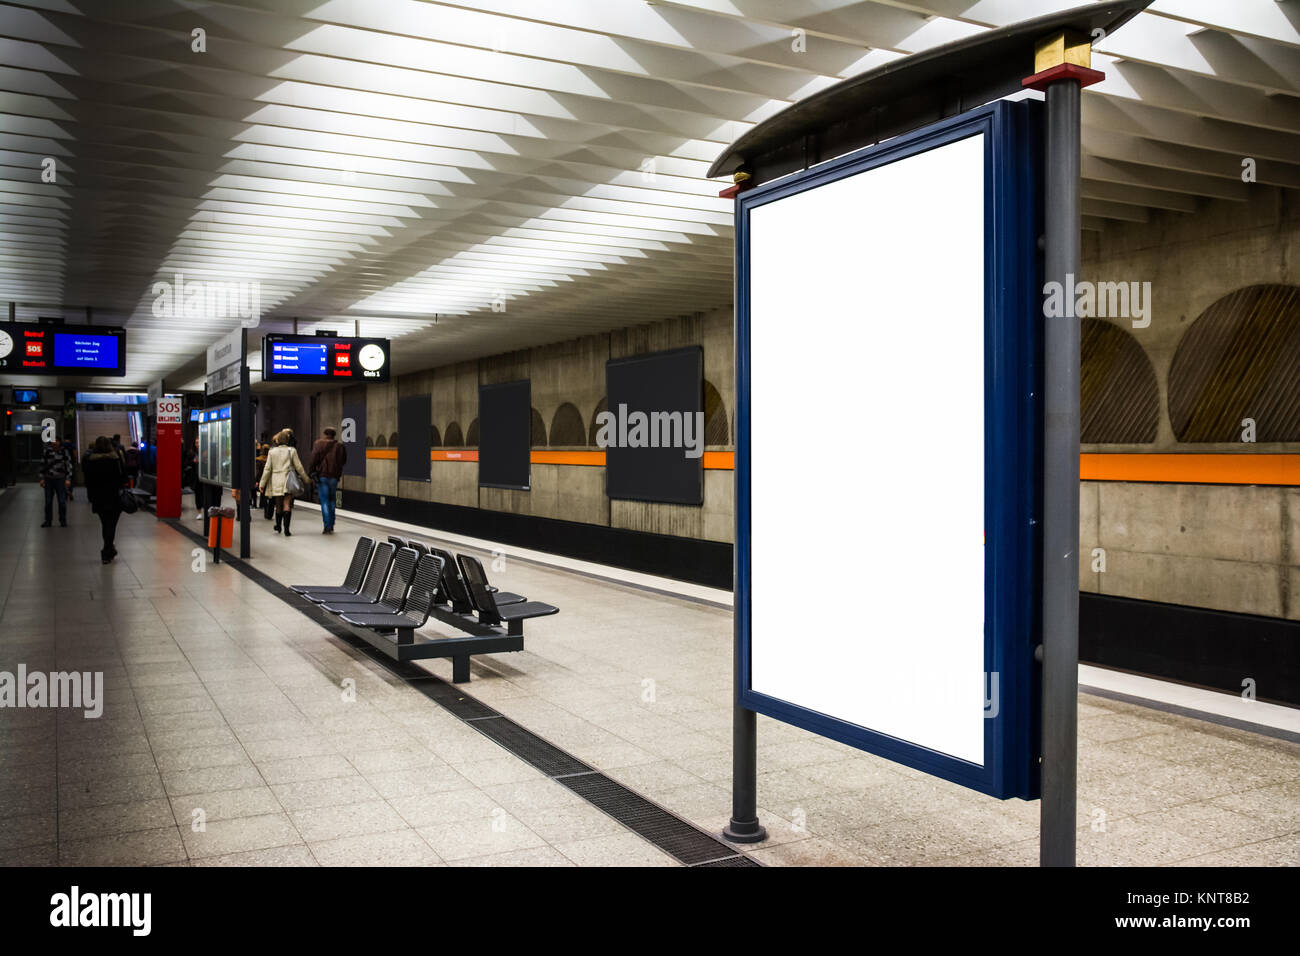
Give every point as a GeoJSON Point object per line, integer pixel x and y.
{"type": "Point", "coordinates": [85, 350]}
{"type": "Point", "coordinates": [30, 348]}
{"type": "Point", "coordinates": [318, 358]}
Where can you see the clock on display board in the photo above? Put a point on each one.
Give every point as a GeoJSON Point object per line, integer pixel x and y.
{"type": "Point", "coordinates": [371, 357]}
{"type": "Point", "coordinates": [6, 344]}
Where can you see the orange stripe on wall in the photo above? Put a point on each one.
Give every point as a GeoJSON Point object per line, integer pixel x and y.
{"type": "Point", "coordinates": [1220, 469]}
{"type": "Point", "coordinates": [715, 460]}
{"type": "Point", "coordinates": [1216, 469]}
{"type": "Point", "coordinates": [568, 458]}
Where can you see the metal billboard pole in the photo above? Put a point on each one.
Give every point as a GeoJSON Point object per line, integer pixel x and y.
{"type": "Point", "coordinates": [1062, 62]}
{"type": "Point", "coordinates": [243, 454]}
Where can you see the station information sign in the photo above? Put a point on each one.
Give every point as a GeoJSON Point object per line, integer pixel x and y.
{"type": "Point", "coordinates": [29, 348]}
{"type": "Point", "coordinates": [319, 358]}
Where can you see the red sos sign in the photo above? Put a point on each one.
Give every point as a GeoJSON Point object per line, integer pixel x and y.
{"type": "Point", "coordinates": [169, 411]}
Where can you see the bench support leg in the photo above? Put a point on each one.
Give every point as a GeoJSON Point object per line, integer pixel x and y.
{"type": "Point", "coordinates": [460, 669]}
{"type": "Point", "coordinates": [405, 635]}
{"type": "Point", "coordinates": [515, 627]}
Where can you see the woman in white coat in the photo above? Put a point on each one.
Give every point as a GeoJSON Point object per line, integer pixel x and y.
{"type": "Point", "coordinates": [282, 459]}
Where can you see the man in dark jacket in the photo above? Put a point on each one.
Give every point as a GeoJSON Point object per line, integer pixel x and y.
{"type": "Point", "coordinates": [56, 477]}
{"type": "Point", "coordinates": [327, 460]}
{"type": "Point", "coordinates": [71, 449]}
{"type": "Point", "coordinates": [105, 479]}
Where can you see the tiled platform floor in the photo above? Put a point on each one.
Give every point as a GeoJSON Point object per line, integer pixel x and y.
{"type": "Point", "coordinates": [223, 699]}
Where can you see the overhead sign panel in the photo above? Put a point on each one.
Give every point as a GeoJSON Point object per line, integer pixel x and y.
{"type": "Point", "coordinates": [35, 349]}
{"type": "Point", "coordinates": [225, 351]}
{"type": "Point", "coordinates": [318, 358]}
{"type": "Point", "coordinates": [919, 257]}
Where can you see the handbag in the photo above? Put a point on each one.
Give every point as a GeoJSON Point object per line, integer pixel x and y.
{"type": "Point", "coordinates": [127, 501]}
{"type": "Point", "coordinates": [293, 485]}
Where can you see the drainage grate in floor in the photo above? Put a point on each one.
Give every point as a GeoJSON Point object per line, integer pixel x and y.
{"type": "Point", "coordinates": [526, 745]}
{"type": "Point", "coordinates": [451, 699]}
{"type": "Point", "coordinates": [665, 830]}
{"type": "Point", "coordinates": [679, 839]}
{"type": "Point", "coordinates": [729, 861]}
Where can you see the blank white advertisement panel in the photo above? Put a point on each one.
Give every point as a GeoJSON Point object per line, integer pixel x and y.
{"type": "Point", "coordinates": [866, 448]}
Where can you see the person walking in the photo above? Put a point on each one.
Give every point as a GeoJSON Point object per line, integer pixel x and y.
{"type": "Point", "coordinates": [71, 449]}
{"type": "Point", "coordinates": [259, 466]}
{"type": "Point", "coordinates": [327, 460]}
{"type": "Point", "coordinates": [199, 488]}
{"type": "Point", "coordinates": [280, 462]}
{"type": "Point", "coordinates": [131, 458]}
{"type": "Point", "coordinates": [190, 475]}
{"type": "Point", "coordinates": [56, 478]}
{"type": "Point", "coordinates": [105, 478]}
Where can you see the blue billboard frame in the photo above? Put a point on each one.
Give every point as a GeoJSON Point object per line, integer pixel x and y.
{"type": "Point", "coordinates": [1013, 163]}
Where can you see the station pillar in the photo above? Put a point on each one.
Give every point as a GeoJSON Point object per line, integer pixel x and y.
{"type": "Point", "coordinates": [167, 495]}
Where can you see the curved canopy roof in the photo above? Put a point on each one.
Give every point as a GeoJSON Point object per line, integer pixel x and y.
{"type": "Point", "coordinates": [524, 171]}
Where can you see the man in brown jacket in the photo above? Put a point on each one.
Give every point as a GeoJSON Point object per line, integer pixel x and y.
{"type": "Point", "coordinates": [327, 460]}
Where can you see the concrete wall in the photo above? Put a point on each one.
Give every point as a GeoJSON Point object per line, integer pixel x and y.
{"type": "Point", "coordinates": [1234, 548]}
{"type": "Point", "coordinates": [1228, 547]}
{"type": "Point", "coordinates": [1192, 260]}
{"type": "Point", "coordinates": [564, 373]}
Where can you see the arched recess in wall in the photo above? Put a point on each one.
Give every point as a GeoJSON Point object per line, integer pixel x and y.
{"type": "Point", "coordinates": [538, 429]}
{"type": "Point", "coordinates": [1239, 360]}
{"type": "Point", "coordinates": [471, 436]}
{"type": "Point", "coordinates": [454, 439]}
{"type": "Point", "coordinates": [716, 431]}
{"type": "Point", "coordinates": [435, 440]}
{"type": "Point", "coordinates": [1118, 392]}
{"type": "Point", "coordinates": [370, 442]}
{"type": "Point", "coordinates": [392, 439]}
{"type": "Point", "coordinates": [382, 440]}
{"type": "Point", "coordinates": [594, 426]}
{"type": "Point", "coordinates": [567, 427]}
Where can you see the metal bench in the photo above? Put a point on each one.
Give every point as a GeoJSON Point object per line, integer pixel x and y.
{"type": "Point", "coordinates": [395, 634]}
{"type": "Point", "coordinates": [490, 612]}
{"type": "Point", "coordinates": [457, 595]}
{"type": "Point", "coordinates": [370, 590]}
{"type": "Point", "coordinates": [393, 597]}
{"type": "Point", "coordinates": [356, 571]}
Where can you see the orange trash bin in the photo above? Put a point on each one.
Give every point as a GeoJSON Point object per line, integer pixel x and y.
{"type": "Point", "coordinates": [221, 520]}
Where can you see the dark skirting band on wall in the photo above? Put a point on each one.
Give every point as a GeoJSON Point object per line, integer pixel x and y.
{"type": "Point", "coordinates": [683, 559]}
{"type": "Point", "coordinates": [1219, 650]}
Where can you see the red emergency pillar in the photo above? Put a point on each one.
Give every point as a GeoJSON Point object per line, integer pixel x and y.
{"type": "Point", "coordinates": [168, 494]}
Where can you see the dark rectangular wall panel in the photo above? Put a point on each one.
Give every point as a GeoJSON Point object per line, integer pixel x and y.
{"type": "Point", "coordinates": [414, 416]}
{"type": "Point", "coordinates": [504, 434]}
{"type": "Point", "coordinates": [661, 382]}
{"type": "Point", "coordinates": [356, 449]}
